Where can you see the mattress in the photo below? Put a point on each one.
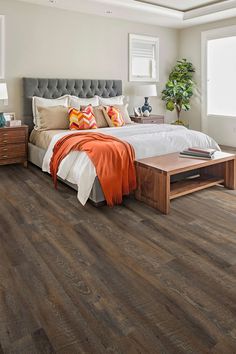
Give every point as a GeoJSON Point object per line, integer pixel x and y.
{"type": "Point", "coordinates": [43, 138]}
{"type": "Point", "coordinates": [37, 147]}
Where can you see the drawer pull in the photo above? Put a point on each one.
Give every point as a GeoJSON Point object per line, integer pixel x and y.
{"type": "Point", "coordinates": [4, 156]}
{"type": "Point", "coordinates": [5, 134]}
{"type": "Point", "coordinates": [5, 149]}
{"type": "Point", "coordinates": [4, 141]}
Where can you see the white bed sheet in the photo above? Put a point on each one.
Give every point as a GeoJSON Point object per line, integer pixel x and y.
{"type": "Point", "coordinates": [147, 139]}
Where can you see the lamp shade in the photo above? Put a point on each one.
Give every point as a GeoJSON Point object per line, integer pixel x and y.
{"type": "Point", "coordinates": [146, 91]}
{"type": "Point", "coordinates": [3, 91]}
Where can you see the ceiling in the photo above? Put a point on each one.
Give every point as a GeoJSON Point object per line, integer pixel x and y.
{"type": "Point", "coordinates": [182, 5]}
{"type": "Point", "coordinates": [168, 13]}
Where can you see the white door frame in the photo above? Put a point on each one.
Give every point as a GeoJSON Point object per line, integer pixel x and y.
{"type": "Point", "coordinates": [227, 31]}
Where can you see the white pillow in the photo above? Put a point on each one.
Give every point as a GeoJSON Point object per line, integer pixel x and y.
{"type": "Point", "coordinates": [124, 111]}
{"type": "Point", "coordinates": [47, 102]}
{"type": "Point", "coordinates": [77, 102]}
{"type": "Point", "coordinates": [111, 101]}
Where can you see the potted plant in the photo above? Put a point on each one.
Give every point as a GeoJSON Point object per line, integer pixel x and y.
{"type": "Point", "coordinates": [179, 88]}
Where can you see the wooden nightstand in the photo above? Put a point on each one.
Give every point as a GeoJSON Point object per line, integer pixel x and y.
{"type": "Point", "coordinates": [13, 145]}
{"type": "Point", "coordinates": [152, 119]}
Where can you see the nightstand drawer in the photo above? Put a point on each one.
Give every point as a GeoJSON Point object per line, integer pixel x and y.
{"type": "Point", "coordinates": [153, 121]}
{"type": "Point", "coordinates": [13, 145]}
{"type": "Point", "coordinates": [12, 151]}
{"type": "Point", "coordinates": [12, 136]}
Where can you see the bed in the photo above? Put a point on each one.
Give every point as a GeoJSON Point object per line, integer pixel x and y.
{"type": "Point", "coordinates": [54, 88]}
{"type": "Point", "coordinates": [77, 170]}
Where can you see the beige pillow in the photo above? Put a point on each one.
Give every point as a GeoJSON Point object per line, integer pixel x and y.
{"type": "Point", "coordinates": [47, 102]}
{"type": "Point", "coordinates": [99, 116]}
{"type": "Point", "coordinates": [53, 118]}
{"type": "Point", "coordinates": [124, 112]}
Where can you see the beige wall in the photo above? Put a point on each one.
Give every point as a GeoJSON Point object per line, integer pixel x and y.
{"type": "Point", "coordinates": [48, 42]}
{"type": "Point", "coordinates": [190, 47]}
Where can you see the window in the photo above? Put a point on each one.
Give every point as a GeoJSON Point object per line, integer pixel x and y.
{"type": "Point", "coordinates": [143, 58]}
{"type": "Point", "coordinates": [221, 76]}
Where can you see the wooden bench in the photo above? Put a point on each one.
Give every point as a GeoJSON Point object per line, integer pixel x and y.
{"type": "Point", "coordinates": [155, 177]}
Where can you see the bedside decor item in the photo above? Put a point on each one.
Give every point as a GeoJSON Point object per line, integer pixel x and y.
{"type": "Point", "coordinates": [3, 97]}
{"type": "Point", "coordinates": [2, 120]}
{"type": "Point", "coordinates": [137, 112]}
{"type": "Point", "coordinates": [146, 113]}
{"type": "Point", "coordinates": [14, 123]}
{"type": "Point", "coordinates": [9, 116]}
{"type": "Point", "coordinates": [179, 88]}
{"type": "Point", "coordinates": [146, 91]}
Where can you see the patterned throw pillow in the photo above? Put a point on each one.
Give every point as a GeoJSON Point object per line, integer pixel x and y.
{"type": "Point", "coordinates": [114, 117]}
{"type": "Point", "coordinates": [98, 112]}
{"type": "Point", "coordinates": [81, 120]}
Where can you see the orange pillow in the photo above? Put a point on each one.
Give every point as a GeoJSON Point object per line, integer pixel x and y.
{"type": "Point", "coordinates": [81, 120]}
{"type": "Point", "coordinates": [114, 117]}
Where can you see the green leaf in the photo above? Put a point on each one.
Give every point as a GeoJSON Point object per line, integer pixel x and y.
{"type": "Point", "coordinates": [170, 105]}
{"type": "Point", "coordinates": [180, 86]}
{"type": "Point", "coordinates": [186, 106]}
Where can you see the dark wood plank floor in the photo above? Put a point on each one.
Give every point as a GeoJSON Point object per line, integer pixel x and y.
{"type": "Point", "coordinates": [122, 280]}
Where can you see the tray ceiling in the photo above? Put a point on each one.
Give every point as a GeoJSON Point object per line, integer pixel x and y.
{"type": "Point", "coordinates": [182, 5]}
{"type": "Point", "coordinates": [168, 13]}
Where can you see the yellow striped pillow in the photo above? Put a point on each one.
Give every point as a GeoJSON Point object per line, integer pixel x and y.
{"type": "Point", "coordinates": [114, 117]}
{"type": "Point", "coordinates": [81, 120]}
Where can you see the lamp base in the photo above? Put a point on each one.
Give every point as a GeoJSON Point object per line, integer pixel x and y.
{"type": "Point", "coordinates": [146, 106]}
{"type": "Point", "coordinates": [2, 120]}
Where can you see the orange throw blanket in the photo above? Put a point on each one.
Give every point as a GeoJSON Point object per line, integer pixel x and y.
{"type": "Point", "coordinates": [112, 158]}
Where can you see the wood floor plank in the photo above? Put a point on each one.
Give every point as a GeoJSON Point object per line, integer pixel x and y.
{"type": "Point", "coordinates": [129, 280]}
{"type": "Point", "coordinates": [42, 342]}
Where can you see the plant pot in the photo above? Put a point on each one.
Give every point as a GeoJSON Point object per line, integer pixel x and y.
{"type": "Point", "coordinates": [181, 122]}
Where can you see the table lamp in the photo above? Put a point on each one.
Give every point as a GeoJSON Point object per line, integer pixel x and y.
{"type": "Point", "coordinates": [146, 91]}
{"type": "Point", "coordinates": [3, 97]}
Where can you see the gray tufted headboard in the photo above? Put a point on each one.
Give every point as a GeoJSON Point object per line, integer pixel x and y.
{"type": "Point", "coordinates": [54, 88]}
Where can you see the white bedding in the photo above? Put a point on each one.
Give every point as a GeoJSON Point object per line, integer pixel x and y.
{"type": "Point", "coordinates": [147, 139]}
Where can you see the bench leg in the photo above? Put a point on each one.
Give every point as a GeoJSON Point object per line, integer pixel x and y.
{"type": "Point", "coordinates": [163, 195]}
{"type": "Point", "coordinates": [153, 188]}
{"type": "Point", "coordinates": [230, 174]}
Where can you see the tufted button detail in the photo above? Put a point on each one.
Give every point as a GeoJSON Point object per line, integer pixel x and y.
{"type": "Point", "coordinates": [54, 88]}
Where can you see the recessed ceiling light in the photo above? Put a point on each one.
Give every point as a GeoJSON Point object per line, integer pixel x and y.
{"type": "Point", "coordinates": [52, 1]}
{"type": "Point", "coordinates": [108, 12]}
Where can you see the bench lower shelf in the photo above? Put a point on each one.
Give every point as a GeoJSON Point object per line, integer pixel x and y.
{"type": "Point", "coordinates": [180, 188]}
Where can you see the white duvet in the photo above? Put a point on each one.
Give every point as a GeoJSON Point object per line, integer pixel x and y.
{"type": "Point", "coordinates": [147, 139]}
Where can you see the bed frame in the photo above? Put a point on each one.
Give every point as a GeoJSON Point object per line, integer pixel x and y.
{"type": "Point", "coordinates": [55, 88]}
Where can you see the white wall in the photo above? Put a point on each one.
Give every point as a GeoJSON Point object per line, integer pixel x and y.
{"type": "Point", "coordinates": [190, 47]}
{"type": "Point", "coordinates": [52, 43]}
